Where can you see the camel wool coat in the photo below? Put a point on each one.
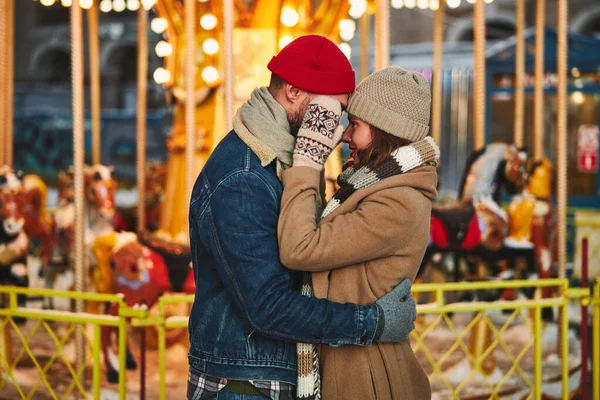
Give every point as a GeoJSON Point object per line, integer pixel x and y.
{"type": "Point", "coordinates": [358, 253]}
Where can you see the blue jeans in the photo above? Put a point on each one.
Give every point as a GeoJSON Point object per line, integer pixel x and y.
{"type": "Point", "coordinates": [225, 395]}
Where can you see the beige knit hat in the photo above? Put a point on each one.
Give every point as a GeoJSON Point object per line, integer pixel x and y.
{"type": "Point", "coordinates": [394, 100]}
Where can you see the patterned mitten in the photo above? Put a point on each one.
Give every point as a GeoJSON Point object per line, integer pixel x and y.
{"type": "Point", "coordinates": [319, 134]}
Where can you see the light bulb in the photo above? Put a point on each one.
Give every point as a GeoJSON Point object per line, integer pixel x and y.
{"type": "Point", "coordinates": [105, 6]}
{"type": "Point", "coordinates": [488, 1]}
{"type": "Point", "coordinates": [66, 3]}
{"type": "Point", "coordinates": [86, 4]}
{"type": "Point", "coordinates": [161, 75]}
{"type": "Point", "coordinates": [346, 49]}
{"type": "Point", "coordinates": [453, 3]}
{"type": "Point", "coordinates": [46, 3]}
{"type": "Point", "coordinates": [133, 5]}
{"type": "Point", "coordinates": [471, 1]}
{"type": "Point", "coordinates": [397, 4]}
{"type": "Point", "coordinates": [148, 4]}
{"type": "Point", "coordinates": [423, 4]}
{"type": "Point", "coordinates": [208, 22]}
{"type": "Point", "coordinates": [434, 5]}
{"type": "Point", "coordinates": [577, 98]}
{"type": "Point", "coordinates": [357, 9]}
{"type": "Point", "coordinates": [119, 5]}
{"type": "Point", "coordinates": [163, 49]}
{"type": "Point", "coordinates": [410, 3]}
{"type": "Point", "coordinates": [347, 24]}
{"type": "Point", "coordinates": [289, 17]}
{"type": "Point", "coordinates": [346, 35]}
{"type": "Point", "coordinates": [159, 25]}
{"type": "Point", "coordinates": [210, 75]}
{"type": "Point", "coordinates": [284, 41]}
{"type": "Point", "coordinates": [210, 46]}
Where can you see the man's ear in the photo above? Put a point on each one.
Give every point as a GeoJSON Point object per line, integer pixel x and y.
{"type": "Point", "coordinates": [292, 93]}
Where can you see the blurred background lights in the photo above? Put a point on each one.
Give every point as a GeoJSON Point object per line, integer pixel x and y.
{"type": "Point", "coordinates": [208, 21]}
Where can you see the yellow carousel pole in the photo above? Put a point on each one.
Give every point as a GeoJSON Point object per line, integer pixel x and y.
{"type": "Point", "coordinates": [78, 160]}
{"type": "Point", "coordinates": [479, 79]}
{"type": "Point", "coordinates": [538, 98]}
{"type": "Point", "coordinates": [3, 64]}
{"type": "Point", "coordinates": [364, 27]}
{"type": "Point", "coordinates": [382, 35]}
{"type": "Point", "coordinates": [562, 165]}
{"type": "Point", "coordinates": [438, 48]}
{"type": "Point", "coordinates": [481, 335]}
{"type": "Point", "coordinates": [94, 43]}
{"type": "Point", "coordinates": [228, 23]}
{"type": "Point", "coordinates": [520, 74]}
{"type": "Point", "coordinates": [142, 89]}
{"type": "Point", "coordinates": [190, 83]}
{"type": "Point", "coordinates": [10, 81]}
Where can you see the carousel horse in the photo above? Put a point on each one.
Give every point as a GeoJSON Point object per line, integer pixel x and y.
{"type": "Point", "coordinates": [13, 240]}
{"type": "Point", "coordinates": [39, 225]}
{"type": "Point", "coordinates": [475, 227]}
{"type": "Point", "coordinates": [99, 190]}
{"type": "Point", "coordinates": [126, 219]}
{"type": "Point", "coordinates": [141, 276]}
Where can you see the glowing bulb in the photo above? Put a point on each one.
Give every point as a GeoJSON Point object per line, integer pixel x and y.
{"type": "Point", "coordinates": [423, 4]}
{"type": "Point", "coordinates": [284, 41]}
{"type": "Point", "coordinates": [210, 75]}
{"type": "Point", "coordinates": [119, 5]}
{"type": "Point", "coordinates": [346, 35]}
{"type": "Point", "coordinates": [471, 1]}
{"type": "Point", "coordinates": [66, 3]}
{"type": "Point", "coordinates": [208, 22]}
{"type": "Point", "coordinates": [86, 4]}
{"type": "Point", "coordinates": [133, 5]}
{"type": "Point", "coordinates": [357, 9]}
{"type": "Point", "coordinates": [148, 4]}
{"type": "Point", "coordinates": [47, 3]}
{"type": "Point", "coordinates": [434, 5]}
{"type": "Point", "coordinates": [158, 25]}
{"type": "Point", "coordinates": [289, 17]}
{"type": "Point", "coordinates": [346, 49]}
{"type": "Point", "coordinates": [410, 3]}
{"type": "Point", "coordinates": [488, 1]}
{"type": "Point", "coordinates": [105, 6]}
{"type": "Point", "coordinates": [347, 24]}
{"type": "Point", "coordinates": [163, 49]}
{"type": "Point", "coordinates": [161, 75]}
{"type": "Point", "coordinates": [397, 4]}
{"type": "Point", "coordinates": [453, 3]}
{"type": "Point", "coordinates": [210, 46]}
{"type": "Point", "coordinates": [577, 98]}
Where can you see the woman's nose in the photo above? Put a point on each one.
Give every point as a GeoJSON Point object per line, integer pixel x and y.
{"type": "Point", "coordinates": [347, 136]}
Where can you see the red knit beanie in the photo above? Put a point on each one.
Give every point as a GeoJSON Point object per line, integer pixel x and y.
{"type": "Point", "coordinates": [315, 64]}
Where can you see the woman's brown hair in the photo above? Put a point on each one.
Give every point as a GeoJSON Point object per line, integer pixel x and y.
{"type": "Point", "coordinates": [380, 148]}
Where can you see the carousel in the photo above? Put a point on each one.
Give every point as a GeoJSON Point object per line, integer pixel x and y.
{"type": "Point", "coordinates": [502, 227]}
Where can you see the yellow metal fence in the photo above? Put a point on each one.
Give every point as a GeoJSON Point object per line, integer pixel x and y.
{"type": "Point", "coordinates": [464, 346]}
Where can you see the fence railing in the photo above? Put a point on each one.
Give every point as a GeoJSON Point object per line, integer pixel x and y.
{"type": "Point", "coordinates": [468, 347]}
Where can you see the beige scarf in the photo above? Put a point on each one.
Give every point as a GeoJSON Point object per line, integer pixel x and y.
{"type": "Point", "coordinates": [262, 124]}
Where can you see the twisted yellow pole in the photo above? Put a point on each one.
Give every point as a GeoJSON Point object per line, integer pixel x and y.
{"type": "Point", "coordinates": [382, 35]}
{"type": "Point", "coordinates": [78, 160]}
{"type": "Point", "coordinates": [364, 32]}
{"type": "Point", "coordinates": [228, 23]}
{"type": "Point", "coordinates": [538, 98]}
{"type": "Point", "coordinates": [561, 130]}
{"type": "Point", "coordinates": [438, 48]}
{"type": "Point", "coordinates": [520, 74]}
{"type": "Point", "coordinates": [190, 83]}
{"type": "Point", "coordinates": [94, 42]}
{"type": "Point", "coordinates": [10, 82]}
{"type": "Point", "coordinates": [3, 64]}
{"type": "Point", "coordinates": [142, 89]}
{"type": "Point", "coordinates": [479, 81]}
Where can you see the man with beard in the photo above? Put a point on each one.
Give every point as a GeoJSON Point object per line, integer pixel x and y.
{"type": "Point", "coordinates": [248, 312]}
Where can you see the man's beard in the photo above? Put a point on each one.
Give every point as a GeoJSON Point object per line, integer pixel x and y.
{"type": "Point", "coordinates": [297, 118]}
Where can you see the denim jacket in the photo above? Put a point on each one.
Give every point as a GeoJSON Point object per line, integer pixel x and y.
{"type": "Point", "coordinates": [248, 311]}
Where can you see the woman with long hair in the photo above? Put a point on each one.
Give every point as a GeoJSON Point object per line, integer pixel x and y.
{"type": "Point", "coordinates": [373, 232]}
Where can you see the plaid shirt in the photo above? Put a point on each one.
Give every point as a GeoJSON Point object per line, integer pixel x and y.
{"type": "Point", "coordinates": [204, 386]}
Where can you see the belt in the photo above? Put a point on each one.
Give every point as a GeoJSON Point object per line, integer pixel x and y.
{"type": "Point", "coordinates": [242, 387]}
